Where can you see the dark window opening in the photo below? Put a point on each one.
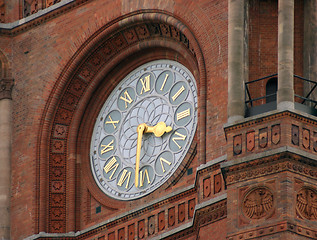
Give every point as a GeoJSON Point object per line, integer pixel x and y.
{"type": "Point", "coordinates": [271, 89]}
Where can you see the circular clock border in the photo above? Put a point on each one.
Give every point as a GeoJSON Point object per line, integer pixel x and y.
{"type": "Point", "coordinates": [121, 99]}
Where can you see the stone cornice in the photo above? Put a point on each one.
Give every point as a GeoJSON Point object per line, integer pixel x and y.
{"type": "Point", "coordinates": [278, 160]}
{"type": "Point", "coordinates": [6, 86]}
{"type": "Point", "coordinates": [270, 116]}
{"type": "Point", "coordinates": [37, 18]}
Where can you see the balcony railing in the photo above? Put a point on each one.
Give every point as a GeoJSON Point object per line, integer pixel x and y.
{"type": "Point", "coordinates": [259, 104]}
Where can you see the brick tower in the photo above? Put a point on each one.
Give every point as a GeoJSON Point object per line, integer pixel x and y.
{"type": "Point", "coordinates": [85, 85]}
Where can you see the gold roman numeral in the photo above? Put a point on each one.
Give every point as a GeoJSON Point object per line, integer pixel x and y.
{"type": "Point", "coordinates": [112, 122]}
{"type": "Point", "coordinates": [178, 93]}
{"type": "Point", "coordinates": [106, 148]}
{"type": "Point", "coordinates": [127, 99]}
{"type": "Point", "coordinates": [124, 177]}
{"type": "Point", "coordinates": [165, 161]}
{"type": "Point", "coordinates": [180, 137]}
{"type": "Point", "coordinates": [183, 114]}
{"type": "Point", "coordinates": [145, 84]}
{"type": "Point", "coordinates": [142, 177]}
{"type": "Point", "coordinates": [162, 87]}
{"type": "Point", "coordinates": [111, 165]}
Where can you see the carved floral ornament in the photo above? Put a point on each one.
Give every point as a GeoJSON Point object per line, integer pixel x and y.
{"type": "Point", "coordinates": [306, 203]}
{"type": "Point", "coordinates": [258, 203]}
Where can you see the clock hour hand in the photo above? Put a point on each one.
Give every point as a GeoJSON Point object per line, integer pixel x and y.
{"type": "Point", "coordinates": [159, 129]}
{"type": "Point", "coordinates": [140, 131]}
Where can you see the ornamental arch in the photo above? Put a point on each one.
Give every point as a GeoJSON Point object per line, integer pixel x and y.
{"type": "Point", "coordinates": [80, 91]}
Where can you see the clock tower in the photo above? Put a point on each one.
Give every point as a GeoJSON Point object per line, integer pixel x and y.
{"type": "Point", "coordinates": [145, 119]}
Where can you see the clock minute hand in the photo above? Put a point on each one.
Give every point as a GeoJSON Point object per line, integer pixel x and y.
{"type": "Point", "coordinates": [140, 131]}
{"type": "Point", "coordinates": [159, 129]}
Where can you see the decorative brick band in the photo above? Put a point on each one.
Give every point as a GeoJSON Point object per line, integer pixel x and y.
{"type": "Point", "coordinates": [6, 86]}
{"type": "Point", "coordinates": [270, 165]}
{"type": "Point", "coordinates": [275, 229]}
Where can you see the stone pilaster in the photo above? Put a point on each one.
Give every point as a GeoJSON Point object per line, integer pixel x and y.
{"type": "Point", "coordinates": [6, 86]}
{"type": "Point", "coordinates": [310, 45]}
{"type": "Point", "coordinates": [236, 60]}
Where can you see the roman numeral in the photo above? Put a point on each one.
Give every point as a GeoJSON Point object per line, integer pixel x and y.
{"type": "Point", "coordinates": [162, 87]}
{"type": "Point", "coordinates": [142, 177]}
{"type": "Point", "coordinates": [111, 165]}
{"type": "Point", "coordinates": [124, 177]}
{"type": "Point", "coordinates": [145, 84]}
{"type": "Point", "coordinates": [127, 99]}
{"type": "Point", "coordinates": [183, 114]}
{"type": "Point", "coordinates": [112, 122]}
{"type": "Point", "coordinates": [165, 161]}
{"type": "Point", "coordinates": [180, 137]}
{"type": "Point", "coordinates": [107, 148]}
{"type": "Point", "coordinates": [178, 93]}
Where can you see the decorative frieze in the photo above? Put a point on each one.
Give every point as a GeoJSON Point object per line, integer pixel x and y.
{"type": "Point", "coordinates": [2, 11]}
{"type": "Point", "coordinates": [269, 165]}
{"type": "Point", "coordinates": [281, 227]}
{"type": "Point", "coordinates": [33, 6]}
{"type": "Point", "coordinates": [270, 132]}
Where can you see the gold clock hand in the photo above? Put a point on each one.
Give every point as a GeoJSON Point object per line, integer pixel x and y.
{"type": "Point", "coordinates": [140, 131]}
{"type": "Point", "coordinates": [159, 129]}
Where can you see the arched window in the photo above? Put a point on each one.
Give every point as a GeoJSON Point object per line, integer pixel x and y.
{"type": "Point", "coordinates": [271, 88]}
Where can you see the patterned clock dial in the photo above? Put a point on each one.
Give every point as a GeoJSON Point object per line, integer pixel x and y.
{"type": "Point", "coordinates": [159, 91]}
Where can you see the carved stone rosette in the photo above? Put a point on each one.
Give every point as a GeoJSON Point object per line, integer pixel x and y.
{"type": "Point", "coordinates": [306, 203]}
{"type": "Point", "coordinates": [258, 203]}
{"type": "Point", "coordinates": [6, 86]}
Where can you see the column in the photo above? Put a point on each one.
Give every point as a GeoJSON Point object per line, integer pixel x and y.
{"type": "Point", "coordinates": [236, 60]}
{"type": "Point", "coordinates": [6, 86]}
{"type": "Point", "coordinates": [285, 91]}
{"type": "Point", "coordinates": [310, 46]}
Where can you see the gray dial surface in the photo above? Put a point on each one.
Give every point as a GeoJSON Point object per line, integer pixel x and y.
{"type": "Point", "coordinates": [158, 91]}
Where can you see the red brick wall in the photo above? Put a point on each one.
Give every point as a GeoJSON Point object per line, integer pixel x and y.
{"type": "Point", "coordinates": [217, 231]}
{"type": "Point", "coordinates": [263, 43]}
{"type": "Point", "coordinates": [40, 54]}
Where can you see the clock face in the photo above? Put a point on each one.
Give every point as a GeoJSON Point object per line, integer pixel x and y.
{"type": "Point", "coordinates": [160, 96]}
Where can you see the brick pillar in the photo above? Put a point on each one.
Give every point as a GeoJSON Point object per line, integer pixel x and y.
{"type": "Point", "coordinates": [285, 92]}
{"type": "Point", "coordinates": [310, 45]}
{"type": "Point", "coordinates": [236, 60]}
{"type": "Point", "coordinates": [6, 86]}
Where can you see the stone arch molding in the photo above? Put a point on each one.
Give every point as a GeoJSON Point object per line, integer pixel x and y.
{"type": "Point", "coordinates": [97, 57]}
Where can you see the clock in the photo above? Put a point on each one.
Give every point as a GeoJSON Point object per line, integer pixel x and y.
{"type": "Point", "coordinates": [144, 130]}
